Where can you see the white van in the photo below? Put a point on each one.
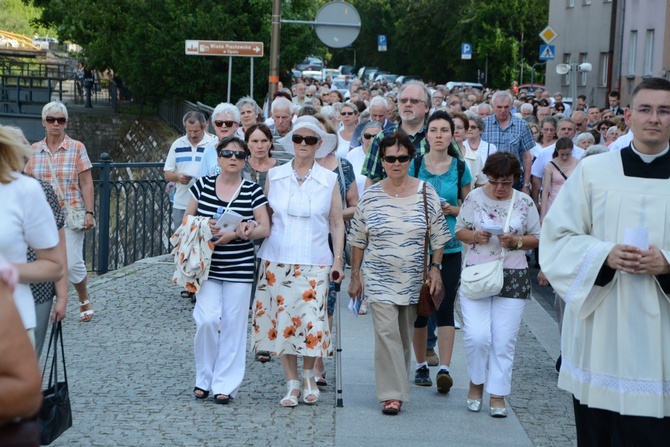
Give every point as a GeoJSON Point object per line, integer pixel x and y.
{"type": "Point", "coordinates": [45, 42]}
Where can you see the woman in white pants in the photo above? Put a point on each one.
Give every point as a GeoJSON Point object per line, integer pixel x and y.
{"type": "Point", "coordinates": [491, 325]}
{"type": "Point", "coordinates": [221, 311]}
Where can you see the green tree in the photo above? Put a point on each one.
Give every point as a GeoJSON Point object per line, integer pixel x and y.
{"type": "Point", "coordinates": [17, 17]}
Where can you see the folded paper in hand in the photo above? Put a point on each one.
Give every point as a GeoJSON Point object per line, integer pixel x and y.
{"type": "Point", "coordinates": [229, 220]}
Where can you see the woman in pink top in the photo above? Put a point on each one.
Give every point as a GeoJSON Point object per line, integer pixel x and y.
{"type": "Point", "coordinates": [557, 172]}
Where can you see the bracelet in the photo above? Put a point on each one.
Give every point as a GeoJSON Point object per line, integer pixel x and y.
{"type": "Point", "coordinates": [254, 222]}
{"type": "Point", "coordinates": [474, 237]}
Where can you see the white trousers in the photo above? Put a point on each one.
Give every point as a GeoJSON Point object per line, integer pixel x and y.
{"type": "Point", "coordinates": [491, 326]}
{"type": "Point", "coordinates": [220, 356]}
{"type": "Point", "coordinates": [74, 243]}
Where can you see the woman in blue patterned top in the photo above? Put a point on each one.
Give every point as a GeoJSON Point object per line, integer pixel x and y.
{"type": "Point", "coordinates": [450, 176]}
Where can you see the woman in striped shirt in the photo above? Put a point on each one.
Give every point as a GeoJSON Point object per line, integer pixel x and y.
{"type": "Point", "coordinates": [223, 300]}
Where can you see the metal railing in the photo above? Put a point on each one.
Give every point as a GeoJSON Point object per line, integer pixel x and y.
{"type": "Point", "coordinates": [134, 215]}
{"type": "Point", "coordinates": [173, 112]}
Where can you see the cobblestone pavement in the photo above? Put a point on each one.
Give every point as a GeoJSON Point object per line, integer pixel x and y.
{"type": "Point", "coordinates": [131, 375]}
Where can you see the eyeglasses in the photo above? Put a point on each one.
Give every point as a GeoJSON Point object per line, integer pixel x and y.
{"type": "Point", "coordinates": [309, 140]}
{"type": "Point", "coordinates": [579, 124]}
{"type": "Point", "coordinates": [412, 101]}
{"type": "Point", "coordinates": [51, 119]}
{"type": "Point", "coordinates": [348, 113]}
{"type": "Point", "coordinates": [367, 136]}
{"type": "Point", "coordinates": [229, 154]}
{"type": "Point", "coordinates": [473, 127]}
{"type": "Point", "coordinates": [496, 183]}
{"type": "Point", "coordinates": [454, 103]}
{"type": "Point", "coordinates": [228, 123]}
{"type": "Point", "coordinates": [661, 112]}
{"type": "Point", "coordinates": [603, 128]}
{"type": "Point", "coordinates": [401, 158]}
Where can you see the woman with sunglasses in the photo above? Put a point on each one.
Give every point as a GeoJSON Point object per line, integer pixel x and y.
{"type": "Point", "coordinates": [491, 325]}
{"type": "Point", "coordinates": [475, 158]}
{"type": "Point", "coordinates": [451, 179]}
{"type": "Point", "coordinates": [297, 264]}
{"type": "Point", "coordinates": [349, 120]}
{"type": "Point", "coordinates": [221, 310]}
{"type": "Point", "coordinates": [389, 226]}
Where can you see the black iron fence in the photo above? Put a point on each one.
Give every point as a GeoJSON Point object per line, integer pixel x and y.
{"type": "Point", "coordinates": [134, 215]}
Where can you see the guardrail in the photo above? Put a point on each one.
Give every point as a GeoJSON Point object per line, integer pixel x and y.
{"type": "Point", "coordinates": [134, 215]}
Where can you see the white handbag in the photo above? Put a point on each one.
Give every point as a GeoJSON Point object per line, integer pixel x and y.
{"type": "Point", "coordinates": [485, 280]}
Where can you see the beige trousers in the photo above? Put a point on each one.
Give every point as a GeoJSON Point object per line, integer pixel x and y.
{"type": "Point", "coordinates": [394, 327]}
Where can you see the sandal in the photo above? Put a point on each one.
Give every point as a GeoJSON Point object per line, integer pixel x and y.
{"type": "Point", "coordinates": [290, 400]}
{"type": "Point", "coordinates": [321, 380]}
{"type": "Point", "coordinates": [86, 315]}
{"type": "Point", "coordinates": [392, 406]}
{"type": "Point", "coordinates": [203, 394]}
{"type": "Point", "coordinates": [364, 308]}
{"type": "Point", "coordinates": [263, 356]}
{"type": "Point", "coordinates": [222, 399]}
{"type": "Point", "coordinates": [308, 374]}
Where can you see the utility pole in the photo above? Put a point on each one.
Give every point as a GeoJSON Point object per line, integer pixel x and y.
{"type": "Point", "coordinates": [274, 48]}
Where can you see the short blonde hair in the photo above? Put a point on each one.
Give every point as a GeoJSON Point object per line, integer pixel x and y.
{"type": "Point", "coordinates": [14, 152]}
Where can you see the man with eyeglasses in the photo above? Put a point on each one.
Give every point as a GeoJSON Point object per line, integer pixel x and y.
{"type": "Point", "coordinates": [509, 133]}
{"type": "Point", "coordinates": [282, 116]}
{"type": "Point", "coordinates": [182, 165]}
{"type": "Point", "coordinates": [579, 118]}
{"type": "Point", "coordinates": [226, 120]}
{"type": "Point", "coordinates": [301, 94]}
{"type": "Point", "coordinates": [605, 249]}
{"type": "Point", "coordinates": [437, 101]}
{"type": "Point", "coordinates": [378, 112]}
{"type": "Point", "coordinates": [413, 107]}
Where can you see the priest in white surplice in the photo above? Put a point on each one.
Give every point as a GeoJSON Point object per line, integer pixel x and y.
{"type": "Point", "coordinates": [616, 328]}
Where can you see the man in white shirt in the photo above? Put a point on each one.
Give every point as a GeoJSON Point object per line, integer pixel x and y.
{"type": "Point", "coordinates": [182, 165]}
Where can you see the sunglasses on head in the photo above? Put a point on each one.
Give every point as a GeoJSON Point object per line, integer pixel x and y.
{"type": "Point", "coordinates": [51, 120]}
{"type": "Point", "coordinates": [230, 154]}
{"type": "Point", "coordinates": [348, 113]}
{"type": "Point", "coordinates": [309, 140]}
{"type": "Point", "coordinates": [228, 123]}
{"type": "Point", "coordinates": [400, 158]}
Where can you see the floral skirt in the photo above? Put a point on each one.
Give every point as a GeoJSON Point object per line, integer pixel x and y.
{"type": "Point", "coordinates": [290, 310]}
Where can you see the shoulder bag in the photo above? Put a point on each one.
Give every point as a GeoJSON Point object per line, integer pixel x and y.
{"type": "Point", "coordinates": [75, 218]}
{"type": "Point", "coordinates": [428, 303]}
{"type": "Point", "coordinates": [347, 246]}
{"type": "Point", "coordinates": [56, 414]}
{"type": "Point", "coordinates": [485, 280]}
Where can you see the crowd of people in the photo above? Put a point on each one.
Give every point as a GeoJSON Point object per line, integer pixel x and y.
{"type": "Point", "coordinates": [470, 177]}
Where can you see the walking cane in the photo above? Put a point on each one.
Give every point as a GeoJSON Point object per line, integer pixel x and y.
{"type": "Point", "coordinates": [338, 351]}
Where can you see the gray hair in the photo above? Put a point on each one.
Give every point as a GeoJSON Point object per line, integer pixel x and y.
{"type": "Point", "coordinates": [226, 109]}
{"type": "Point", "coordinates": [474, 117]}
{"type": "Point", "coordinates": [194, 117]}
{"type": "Point", "coordinates": [426, 92]}
{"type": "Point", "coordinates": [250, 101]}
{"type": "Point", "coordinates": [502, 94]}
{"type": "Point", "coordinates": [281, 103]}
{"type": "Point", "coordinates": [526, 106]}
{"type": "Point", "coordinates": [484, 104]}
{"type": "Point", "coordinates": [594, 150]}
{"type": "Point", "coordinates": [585, 136]}
{"type": "Point", "coordinates": [54, 107]}
{"type": "Point", "coordinates": [330, 112]}
{"type": "Point", "coordinates": [378, 100]}
{"type": "Point", "coordinates": [370, 124]}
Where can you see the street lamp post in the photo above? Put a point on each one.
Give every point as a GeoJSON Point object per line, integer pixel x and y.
{"type": "Point", "coordinates": [573, 69]}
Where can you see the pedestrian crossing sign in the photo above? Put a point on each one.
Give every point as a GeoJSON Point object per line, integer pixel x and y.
{"type": "Point", "coordinates": [547, 52]}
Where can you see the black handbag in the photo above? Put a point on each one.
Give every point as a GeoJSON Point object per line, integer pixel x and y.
{"type": "Point", "coordinates": [56, 414]}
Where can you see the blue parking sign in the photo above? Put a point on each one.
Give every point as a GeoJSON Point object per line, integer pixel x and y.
{"type": "Point", "coordinates": [466, 50]}
{"type": "Point", "coordinates": [381, 42]}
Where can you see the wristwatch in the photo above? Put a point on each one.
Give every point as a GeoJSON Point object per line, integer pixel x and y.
{"type": "Point", "coordinates": [519, 243]}
{"type": "Point", "coordinates": [90, 212]}
{"type": "Point", "coordinates": [436, 265]}
{"type": "Point", "coordinates": [526, 185]}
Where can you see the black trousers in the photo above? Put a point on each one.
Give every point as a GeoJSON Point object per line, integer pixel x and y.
{"type": "Point", "coordinates": [604, 428]}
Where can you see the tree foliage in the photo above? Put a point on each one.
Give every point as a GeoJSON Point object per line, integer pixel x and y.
{"type": "Point", "coordinates": [19, 18]}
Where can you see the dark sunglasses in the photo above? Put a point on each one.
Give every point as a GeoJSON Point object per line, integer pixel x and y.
{"type": "Point", "coordinates": [348, 113]}
{"type": "Point", "coordinates": [400, 158]}
{"type": "Point", "coordinates": [367, 136]}
{"type": "Point", "coordinates": [604, 128]}
{"type": "Point", "coordinates": [219, 123]}
{"type": "Point", "coordinates": [51, 120]}
{"type": "Point", "coordinates": [309, 140]}
{"type": "Point", "coordinates": [230, 154]}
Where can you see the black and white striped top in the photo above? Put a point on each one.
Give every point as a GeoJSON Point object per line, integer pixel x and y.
{"type": "Point", "coordinates": [233, 261]}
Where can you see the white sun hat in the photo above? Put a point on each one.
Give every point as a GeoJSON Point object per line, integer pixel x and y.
{"type": "Point", "coordinates": [328, 141]}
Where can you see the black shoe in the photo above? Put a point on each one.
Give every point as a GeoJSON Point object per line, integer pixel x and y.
{"type": "Point", "coordinates": [558, 364]}
{"type": "Point", "coordinates": [444, 381]}
{"type": "Point", "coordinates": [422, 377]}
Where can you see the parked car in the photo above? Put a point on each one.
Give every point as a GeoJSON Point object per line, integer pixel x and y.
{"type": "Point", "coordinates": [341, 84]}
{"type": "Point", "coordinates": [364, 72]}
{"type": "Point", "coordinates": [330, 72]}
{"type": "Point", "coordinates": [405, 78]}
{"type": "Point", "coordinates": [386, 78]}
{"type": "Point", "coordinates": [45, 42]}
{"type": "Point", "coordinates": [532, 88]}
{"type": "Point", "coordinates": [347, 70]}
{"type": "Point", "coordinates": [310, 63]}
{"type": "Point", "coordinates": [463, 85]}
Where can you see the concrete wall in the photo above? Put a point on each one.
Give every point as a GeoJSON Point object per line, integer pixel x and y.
{"type": "Point", "coordinates": [582, 28]}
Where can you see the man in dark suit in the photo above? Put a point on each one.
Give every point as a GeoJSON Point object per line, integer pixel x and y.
{"type": "Point", "coordinates": [615, 99]}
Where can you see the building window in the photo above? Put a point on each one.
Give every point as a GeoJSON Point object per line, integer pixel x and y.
{"type": "Point", "coordinates": [583, 75]}
{"type": "Point", "coordinates": [587, 2]}
{"type": "Point", "coordinates": [566, 77]}
{"type": "Point", "coordinates": [649, 53]}
{"type": "Point", "coordinates": [632, 52]}
{"type": "Point", "coordinates": [571, 3]}
{"type": "Point", "coordinates": [603, 69]}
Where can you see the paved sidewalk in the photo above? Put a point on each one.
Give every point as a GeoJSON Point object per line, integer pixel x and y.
{"type": "Point", "coordinates": [131, 374]}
